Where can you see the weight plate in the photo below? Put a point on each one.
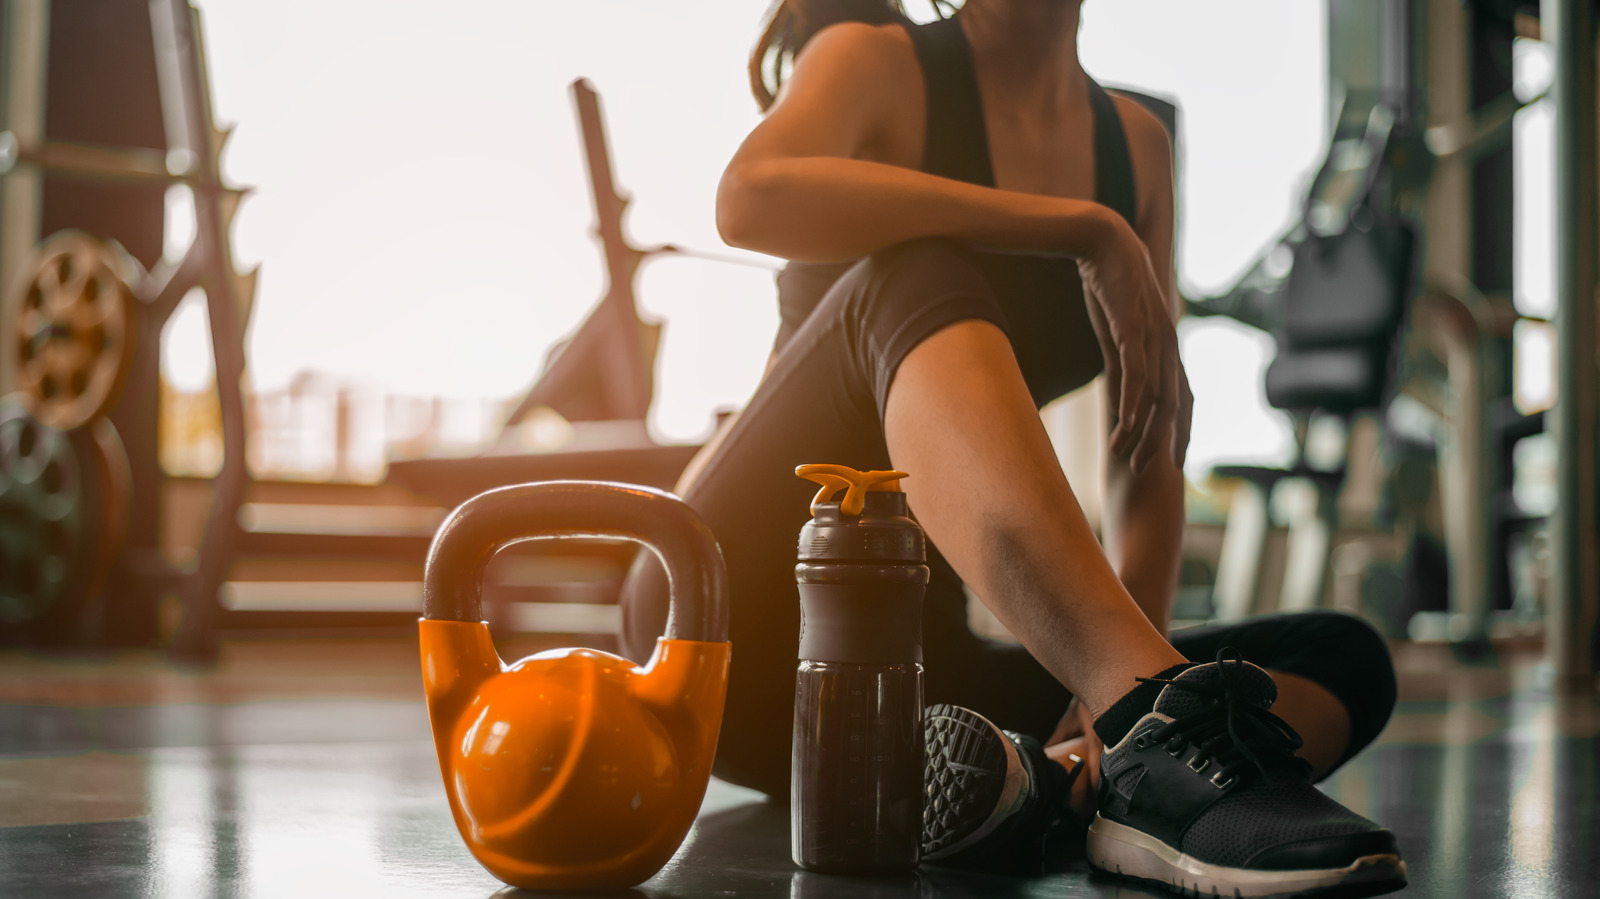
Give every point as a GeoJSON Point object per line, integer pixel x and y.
{"type": "Point", "coordinates": [70, 320]}
{"type": "Point", "coordinates": [47, 529]}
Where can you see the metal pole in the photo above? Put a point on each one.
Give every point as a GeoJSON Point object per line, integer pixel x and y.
{"type": "Point", "coordinates": [24, 31]}
{"type": "Point", "coordinates": [1571, 623]}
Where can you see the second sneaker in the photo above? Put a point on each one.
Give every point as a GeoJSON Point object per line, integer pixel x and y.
{"type": "Point", "coordinates": [1206, 796]}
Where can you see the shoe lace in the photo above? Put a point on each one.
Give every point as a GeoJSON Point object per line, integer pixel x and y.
{"type": "Point", "coordinates": [1233, 729]}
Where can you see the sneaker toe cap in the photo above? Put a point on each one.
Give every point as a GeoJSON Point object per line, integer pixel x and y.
{"type": "Point", "coordinates": [1319, 853]}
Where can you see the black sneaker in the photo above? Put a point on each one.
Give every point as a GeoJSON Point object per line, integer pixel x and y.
{"type": "Point", "coordinates": [1206, 797]}
{"type": "Point", "coordinates": [991, 796]}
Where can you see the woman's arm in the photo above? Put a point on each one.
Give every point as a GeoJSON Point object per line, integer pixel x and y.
{"type": "Point", "coordinates": [1143, 514]}
{"type": "Point", "coordinates": [1142, 517]}
{"type": "Point", "coordinates": [829, 209]}
{"type": "Point", "coordinates": [831, 172]}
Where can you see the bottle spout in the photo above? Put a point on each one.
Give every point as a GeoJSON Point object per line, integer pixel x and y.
{"type": "Point", "coordinates": [855, 484]}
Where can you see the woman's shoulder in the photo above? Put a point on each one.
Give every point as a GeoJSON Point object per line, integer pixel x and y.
{"type": "Point", "coordinates": [864, 81]}
{"type": "Point", "coordinates": [877, 50]}
{"type": "Point", "coordinates": [1146, 134]}
{"type": "Point", "coordinates": [1150, 152]}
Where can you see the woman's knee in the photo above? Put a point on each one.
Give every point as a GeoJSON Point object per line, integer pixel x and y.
{"type": "Point", "coordinates": [936, 254]}
{"type": "Point", "coordinates": [1360, 646]}
{"type": "Point", "coordinates": [896, 282]}
{"type": "Point", "coordinates": [900, 296]}
{"type": "Point", "coordinates": [1342, 653]}
{"type": "Point", "coordinates": [1351, 659]}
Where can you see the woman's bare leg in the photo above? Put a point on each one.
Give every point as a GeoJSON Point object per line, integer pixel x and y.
{"type": "Point", "coordinates": [1317, 716]}
{"type": "Point", "coordinates": [986, 486]}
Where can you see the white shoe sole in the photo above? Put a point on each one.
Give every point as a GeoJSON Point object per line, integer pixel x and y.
{"type": "Point", "coordinates": [1119, 849]}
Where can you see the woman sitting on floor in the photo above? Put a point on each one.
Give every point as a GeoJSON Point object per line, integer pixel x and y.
{"type": "Point", "coordinates": [977, 228]}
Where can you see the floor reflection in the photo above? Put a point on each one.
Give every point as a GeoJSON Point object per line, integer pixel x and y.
{"type": "Point", "coordinates": [1489, 781]}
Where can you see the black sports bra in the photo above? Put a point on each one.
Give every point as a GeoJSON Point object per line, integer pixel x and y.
{"type": "Point", "coordinates": [957, 146]}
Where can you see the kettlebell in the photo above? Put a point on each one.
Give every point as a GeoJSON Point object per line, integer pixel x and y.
{"type": "Point", "coordinates": [573, 768]}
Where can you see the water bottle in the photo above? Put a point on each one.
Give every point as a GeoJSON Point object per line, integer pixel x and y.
{"type": "Point", "coordinates": [856, 785]}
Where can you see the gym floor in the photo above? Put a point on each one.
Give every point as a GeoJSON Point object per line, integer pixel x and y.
{"type": "Point", "coordinates": [305, 768]}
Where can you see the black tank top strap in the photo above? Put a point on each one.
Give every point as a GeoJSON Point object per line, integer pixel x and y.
{"type": "Point", "coordinates": [957, 143]}
{"type": "Point", "coordinates": [1113, 166]}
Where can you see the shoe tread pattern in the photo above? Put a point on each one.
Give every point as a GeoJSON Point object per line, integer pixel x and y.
{"type": "Point", "coordinates": [965, 775]}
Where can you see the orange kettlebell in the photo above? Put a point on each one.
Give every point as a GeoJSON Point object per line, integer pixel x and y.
{"type": "Point", "coordinates": [573, 768]}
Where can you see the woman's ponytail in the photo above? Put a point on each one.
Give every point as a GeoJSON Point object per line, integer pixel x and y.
{"type": "Point", "coordinates": [790, 23]}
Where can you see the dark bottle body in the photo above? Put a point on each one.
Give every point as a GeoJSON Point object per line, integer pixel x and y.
{"type": "Point", "coordinates": [856, 785]}
{"type": "Point", "coordinates": [856, 797]}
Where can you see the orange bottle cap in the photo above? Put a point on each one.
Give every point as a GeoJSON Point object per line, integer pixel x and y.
{"type": "Point", "coordinates": [856, 484]}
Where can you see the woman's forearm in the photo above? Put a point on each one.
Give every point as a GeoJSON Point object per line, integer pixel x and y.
{"type": "Point", "coordinates": [1143, 521]}
{"type": "Point", "coordinates": [827, 209]}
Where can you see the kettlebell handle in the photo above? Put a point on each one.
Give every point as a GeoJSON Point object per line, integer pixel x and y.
{"type": "Point", "coordinates": [452, 583]}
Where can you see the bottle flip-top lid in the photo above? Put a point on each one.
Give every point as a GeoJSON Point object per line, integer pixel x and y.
{"type": "Point", "coordinates": [869, 523]}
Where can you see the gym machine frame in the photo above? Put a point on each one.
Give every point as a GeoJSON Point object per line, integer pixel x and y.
{"type": "Point", "coordinates": [194, 151]}
{"type": "Point", "coordinates": [1460, 320]}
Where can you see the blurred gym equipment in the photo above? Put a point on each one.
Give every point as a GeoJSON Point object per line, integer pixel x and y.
{"type": "Point", "coordinates": [82, 315]}
{"type": "Point", "coordinates": [73, 320]}
{"type": "Point", "coordinates": [1337, 322]}
{"type": "Point", "coordinates": [604, 372]}
{"type": "Point", "coordinates": [1451, 364]}
{"type": "Point", "coordinates": [63, 514]}
{"type": "Point", "coordinates": [64, 486]}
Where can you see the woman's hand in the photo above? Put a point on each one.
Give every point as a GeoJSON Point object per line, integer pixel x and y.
{"type": "Point", "coordinates": [1075, 743]}
{"type": "Point", "coordinates": [1133, 322]}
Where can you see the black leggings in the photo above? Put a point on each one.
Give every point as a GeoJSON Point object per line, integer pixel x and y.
{"type": "Point", "coordinates": [823, 402]}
